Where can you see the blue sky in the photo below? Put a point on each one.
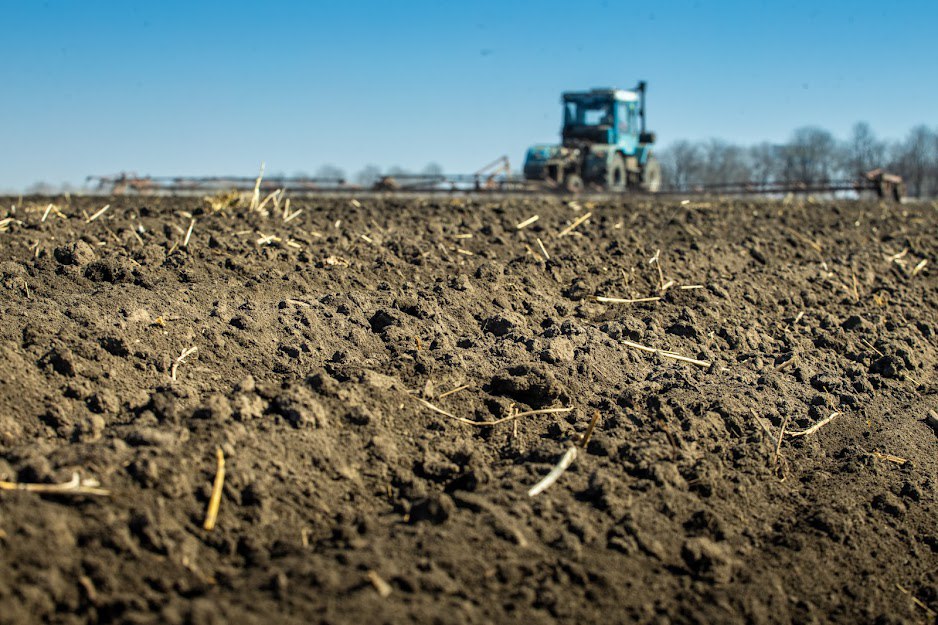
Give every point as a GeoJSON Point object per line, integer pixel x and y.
{"type": "Point", "coordinates": [217, 87]}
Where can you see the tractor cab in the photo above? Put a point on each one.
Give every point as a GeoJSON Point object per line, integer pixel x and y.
{"type": "Point", "coordinates": [604, 144]}
{"type": "Point", "coordinates": [604, 116]}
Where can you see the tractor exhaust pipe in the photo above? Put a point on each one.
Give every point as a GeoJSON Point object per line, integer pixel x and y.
{"type": "Point", "coordinates": [644, 136]}
{"type": "Point", "coordinates": [641, 103]}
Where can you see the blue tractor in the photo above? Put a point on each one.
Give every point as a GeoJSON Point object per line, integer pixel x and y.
{"type": "Point", "coordinates": [605, 145]}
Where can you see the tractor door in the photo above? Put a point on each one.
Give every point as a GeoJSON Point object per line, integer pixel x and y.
{"type": "Point", "coordinates": [626, 127]}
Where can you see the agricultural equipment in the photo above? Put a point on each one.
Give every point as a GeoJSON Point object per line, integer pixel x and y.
{"type": "Point", "coordinates": [881, 183]}
{"type": "Point", "coordinates": [605, 145]}
{"type": "Point", "coordinates": [125, 182]}
{"type": "Point", "coordinates": [496, 176]}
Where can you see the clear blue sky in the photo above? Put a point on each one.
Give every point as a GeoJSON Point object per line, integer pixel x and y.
{"type": "Point", "coordinates": [165, 87]}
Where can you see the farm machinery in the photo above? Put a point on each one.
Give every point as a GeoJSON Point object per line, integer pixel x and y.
{"type": "Point", "coordinates": [605, 148]}
{"type": "Point", "coordinates": [496, 178]}
{"type": "Point", "coordinates": [605, 145]}
{"type": "Point", "coordinates": [880, 183]}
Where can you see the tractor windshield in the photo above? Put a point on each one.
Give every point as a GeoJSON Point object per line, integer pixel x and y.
{"type": "Point", "coordinates": [588, 113]}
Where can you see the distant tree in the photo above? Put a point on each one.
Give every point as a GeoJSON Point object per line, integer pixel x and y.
{"type": "Point", "coordinates": [432, 169]}
{"type": "Point", "coordinates": [330, 171]}
{"type": "Point", "coordinates": [681, 164]}
{"type": "Point", "coordinates": [916, 159]}
{"type": "Point", "coordinates": [764, 162]}
{"type": "Point", "coordinates": [863, 150]}
{"type": "Point", "coordinates": [397, 170]}
{"type": "Point", "coordinates": [368, 175]}
{"type": "Point", "coordinates": [723, 162]}
{"type": "Point", "coordinates": [933, 167]}
{"type": "Point", "coordinates": [811, 156]}
{"type": "Point", "coordinates": [41, 188]}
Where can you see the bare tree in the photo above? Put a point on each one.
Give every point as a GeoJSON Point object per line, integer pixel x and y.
{"type": "Point", "coordinates": [916, 159]}
{"type": "Point", "coordinates": [432, 169]}
{"type": "Point", "coordinates": [811, 156]}
{"type": "Point", "coordinates": [687, 164]}
{"type": "Point", "coordinates": [681, 164]}
{"type": "Point", "coordinates": [41, 188]}
{"type": "Point", "coordinates": [368, 175]}
{"type": "Point", "coordinates": [863, 150]}
{"type": "Point", "coordinates": [764, 162]}
{"type": "Point", "coordinates": [330, 171]}
{"type": "Point", "coordinates": [933, 167]}
{"type": "Point", "coordinates": [723, 162]}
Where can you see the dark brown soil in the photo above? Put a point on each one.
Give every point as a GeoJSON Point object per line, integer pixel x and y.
{"type": "Point", "coordinates": [314, 347]}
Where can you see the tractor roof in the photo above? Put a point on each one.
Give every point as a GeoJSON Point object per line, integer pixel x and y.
{"type": "Point", "coordinates": [615, 94]}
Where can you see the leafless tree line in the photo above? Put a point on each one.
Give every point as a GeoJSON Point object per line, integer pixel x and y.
{"type": "Point", "coordinates": [367, 175]}
{"type": "Point", "coordinates": [812, 155]}
{"type": "Point", "coordinates": [370, 174]}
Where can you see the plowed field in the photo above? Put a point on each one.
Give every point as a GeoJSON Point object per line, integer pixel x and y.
{"type": "Point", "coordinates": [379, 376]}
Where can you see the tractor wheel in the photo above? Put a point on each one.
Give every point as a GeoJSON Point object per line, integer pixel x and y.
{"type": "Point", "coordinates": [573, 184]}
{"type": "Point", "coordinates": [651, 176]}
{"type": "Point", "coordinates": [616, 175]}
